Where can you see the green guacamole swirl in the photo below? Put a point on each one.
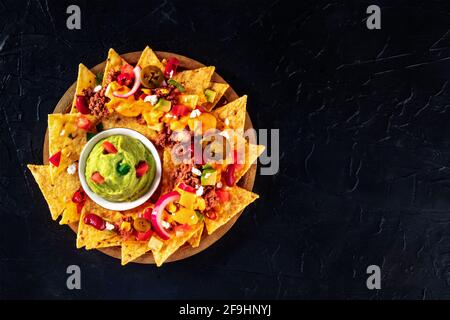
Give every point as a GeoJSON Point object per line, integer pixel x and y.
{"type": "Point", "coordinates": [120, 185]}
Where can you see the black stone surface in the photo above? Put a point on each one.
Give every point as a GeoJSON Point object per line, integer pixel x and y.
{"type": "Point", "coordinates": [365, 146]}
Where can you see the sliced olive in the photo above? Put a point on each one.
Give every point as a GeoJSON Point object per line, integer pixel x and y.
{"type": "Point", "coordinates": [141, 225]}
{"type": "Point", "coordinates": [151, 77]}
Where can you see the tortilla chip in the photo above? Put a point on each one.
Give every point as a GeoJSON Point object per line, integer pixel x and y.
{"type": "Point", "coordinates": [65, 136]}
{"type": "Point", "coordinates": [106, 214]}
{"type": "Point", "coordinates": [70, 214]}
{"type": "Point", "coordinates": [133, 249]}
{"type": "Point", "coordinates": [252, 152]}
{"type": "Point", "coordinates": [167, 168]}
{"type": "Point", "coordinates": [172, 245]}
{"type": "Point", "coordinates": [234, 113]}
{"type": "Point", "coordinates": [117, 121]}
{"type": "Point", "coordinates": [239, 199]}
{"type": "Point", "coordinates": [92, 238]}
{"type": "Point", "coordinates": [195, 81]}
{"type": "Point", "coordinates": [59, 194]}
{"type": "Point", "coordinates": [220, 89]}
{"type": "Point", "coordinates": [113, 64]}
{"type": "Point", "coordinates": [149, 58]}
{"type": "Point", "coordinates": [197, 237]}
{"type": "Point", "coordinates": [85, 80]}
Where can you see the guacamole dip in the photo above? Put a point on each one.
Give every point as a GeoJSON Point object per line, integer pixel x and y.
{"type": "Point", "coordinates": [120, 168]}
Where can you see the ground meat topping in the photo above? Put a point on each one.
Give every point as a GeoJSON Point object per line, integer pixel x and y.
{"type": "Point", "coordinates": [183, 173]}
{"type": "Point", "coordinates": [169, 92]}
{"type": "Point", "coordinates": [211, 198]}
{"type": "Point", "coordinates": [164, 140]}
{"type": "Point", "coordinates": [111, 76]}
{"type": "Point", "coordinates": [97, 101]}
{"type": "Point", "coordinates": [87, 93]}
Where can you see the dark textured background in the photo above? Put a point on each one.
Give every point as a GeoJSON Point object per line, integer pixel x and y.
{"type": "Point", "coordinates": [365, 146]}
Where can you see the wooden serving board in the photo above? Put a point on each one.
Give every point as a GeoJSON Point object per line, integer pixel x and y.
{"type": "Point", "coordinates": [246, 181]}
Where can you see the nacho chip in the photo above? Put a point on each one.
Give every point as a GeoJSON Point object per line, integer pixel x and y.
{"type": "Point", "coordinates": [85, 80]}
{"type": "Point", "coordinates": [118, 121]}
{"type": "Point", "coordinates": [59, 194]}
{"type": "Point", "coordinates": [65, 136]}
{"type": "Point", "coordinates": [239, 199]}
{"type": "Point", "coordinates": [219, 89]}
{"type": "Point", "coordinates": [91, 238]}
{"type": "Point", "coordinates": [167, 168]}
{"type": "Point", "coordinates": [133, 249]}
{"type": "Point", "coordinates": [172, 245]}
{"type": "Point", "coordinates": [232, 115]}
{"type": "Point", "coordinates": [113, 64]}
{"type": "Point", "coordinates": [149, 58]}
{"type": "Point", "coordinates": [70, 214]}
{"type": "Point", "coordinates": [195, 81]}
{"type": "Point", "coordinates": [197, 237]}
{"type": "Point", "coordinates": [108, 215]}
{"type": "Point", "coordinates": [252, 152]}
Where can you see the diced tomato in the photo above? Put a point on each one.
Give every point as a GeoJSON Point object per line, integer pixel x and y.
{"type": "Point", "coordinates": [97, 178]}
{"type": "Point", "coordinates": [141, 168]}
{"type": "Point", "coordinates": [125, 79]}
{"type": "Point", "coordinates": [109, 147]}
{"type": "Point", "coordinates": [144, 236]}
{"type": "Point", "coordinates": [55, 159]}
{"type": "Point", "coordinates": [171, 67]}
{"type": "Point", "coordinates": [127, 69]}
{"type": "Point", "coordinates": [180, 110]}
{"type": "Point", "coordinates": [223, 195]}
{"type": "Point", "coordinates": [83, 123]}
{"type": "Point", "coordinates": [186, 187]}
{"type": "Point", "coordinates": [79, 196]}
{"type": "Point", "coordinates": [147, 213]}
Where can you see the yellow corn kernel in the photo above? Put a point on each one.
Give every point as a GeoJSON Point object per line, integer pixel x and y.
{"type": "Point", "coordinates": [125, 225]}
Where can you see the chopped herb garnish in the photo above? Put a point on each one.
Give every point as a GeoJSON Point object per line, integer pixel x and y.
{"type": "Point", "coordinates": [99, 78]}
{"type": "Point", "coordinates": [176, 84]}
{"type": "Point", "coordinates": [123, 168]}
{"type": "Point", "coordinates": [99, 127]}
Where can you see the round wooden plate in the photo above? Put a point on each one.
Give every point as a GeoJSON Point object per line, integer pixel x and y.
{"type": "Point", "coordinates": [246, 182]}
